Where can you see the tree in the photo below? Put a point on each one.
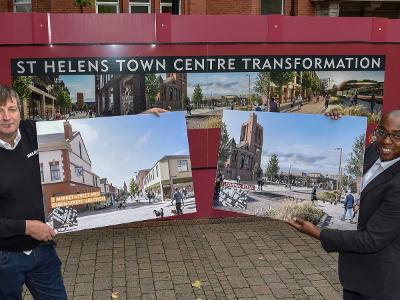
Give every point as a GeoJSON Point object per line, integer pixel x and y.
{"type": "Point", "coordinates": [355, 162]}
{"type": "Point", "coordinates": [82, 4]}
{"type": "Point", "coordinates": [197, 97]}
{"type": "Point", "coordinates": [263, 83]}
{"type": "Point", "coordinates": [21, 85]}
{"type": "Point", "coordinates": [152, 84]}
{"type": "Point", "coordinates": [282, 78]}
{"type": "Point", "coordinates": [224, 147]}
{"type": "Point", "coordinates": [63, 99]}
{"type": "Point", "coordinates": [133, 187]}
{"type": "Point", "coordinates": [273, 167]}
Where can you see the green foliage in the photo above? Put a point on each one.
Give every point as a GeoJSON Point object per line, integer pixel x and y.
{"type": "Point", "coordinates": [262, 83]}
{"type": "Point", "coordinates": [355, 162]}
{"type": "Point", "coordinates": [82, 4]}
{"type": "Point", "coordinates": [327, 196]}
{"type": "Point", "coordinates": [152, 87]}
{"type": "Point", "coordinates": [197, 94]}
{"type": "Point", "coordinates": [21, 86]}
{"type": "Point", "coordinates": [133, 187]}
{"type": "Point", "coordinates": [224, 147]}
{"type": "Point", "coordinates": [282, 78]}
{"type": "Point", "coordinates": [63, 99]}
{"type": "Point", "coordinates": [273, 167]}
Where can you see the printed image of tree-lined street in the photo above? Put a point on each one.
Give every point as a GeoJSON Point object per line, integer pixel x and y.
{"type": "Point", "coordinates": [286, 165]}
{"type": "Point", "coordinates": [98, 172]}
{"type": "Point", "coordinates": [357, 93]}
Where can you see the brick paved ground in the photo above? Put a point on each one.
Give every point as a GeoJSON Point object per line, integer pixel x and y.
{"type": "Point", "coordinates": [242, 258]}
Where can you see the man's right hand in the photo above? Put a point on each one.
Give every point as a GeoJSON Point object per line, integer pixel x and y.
{"type": "Point", "coordinates": [333, 114]}
{"type": "Point", "coordinates": [39, 231]}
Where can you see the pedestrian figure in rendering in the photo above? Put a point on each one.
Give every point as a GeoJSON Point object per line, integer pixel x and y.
{"type": "Point", "coordinates": [238, 179]}
{"type": "Point", "coordinates": [178, 198]}
{"type": "Point", "coordinates": [326, 101]}
{"type": "Point", "coordinates": [299, 101]}
{"type": "Point", "coordinates": [372, 103]}
{"type": "Point", "coordinates": [348, 206]}
{"type": "Point", "coordinates": [184, 194]}
{"type": "Point", "coordinates": [369, 265]}
{"type": "Point", "coordinates": [273, 106]}
{"type": "Point", "coordinates": [314, 195]}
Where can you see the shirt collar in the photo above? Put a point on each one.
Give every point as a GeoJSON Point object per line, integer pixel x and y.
{"type": "Point", "coordinates": [8, 146]}
{"type": "Point", "coordinates": [387, 164]}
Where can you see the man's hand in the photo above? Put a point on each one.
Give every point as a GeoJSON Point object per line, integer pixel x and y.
{"type": "Point", "coordinates": [39, 230]}
{"type": "Point", "coordinates": [305, 227]}
{"type": "Point", "coordinates": [333, 114]}
{"type": "Point", "coordinates": [155, 111]}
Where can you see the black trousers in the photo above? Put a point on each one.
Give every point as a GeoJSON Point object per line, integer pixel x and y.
{"type": "Point", "coordinates": [349, 295]}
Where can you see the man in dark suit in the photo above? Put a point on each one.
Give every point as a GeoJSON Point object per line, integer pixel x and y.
{"type": "Point", "coordinates": [369, 257]}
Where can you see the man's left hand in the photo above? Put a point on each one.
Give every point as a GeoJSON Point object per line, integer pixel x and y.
{"type": "Point", "coordinates": [305, 227]}
{"type": "Point", "coordinates": [155, 111]}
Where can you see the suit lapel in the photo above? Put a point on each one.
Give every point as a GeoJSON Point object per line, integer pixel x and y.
{"type": "Point", "coordinates": [371, 155]}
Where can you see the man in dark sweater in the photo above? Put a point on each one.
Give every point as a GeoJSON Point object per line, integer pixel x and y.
{"type": "Point", "coordinates": [27, 254]}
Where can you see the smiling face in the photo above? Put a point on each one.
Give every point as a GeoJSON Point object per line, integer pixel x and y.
{"type": "Point", "coordinates": [388, 147]}
{"type": "Point", "coordinates": [10, 118]}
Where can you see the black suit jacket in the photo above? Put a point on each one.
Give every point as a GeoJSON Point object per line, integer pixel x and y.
{"type": "Point", "coordinates": [369, 257]}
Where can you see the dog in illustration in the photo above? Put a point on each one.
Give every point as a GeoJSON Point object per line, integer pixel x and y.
{"type": "Point", "coordinates": [159, 213]}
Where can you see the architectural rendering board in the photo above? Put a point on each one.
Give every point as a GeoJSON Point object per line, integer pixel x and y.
{"type": "Point", "coordinates": [286, 165]}
{"type": "Point", "coordinates": [98, 172]}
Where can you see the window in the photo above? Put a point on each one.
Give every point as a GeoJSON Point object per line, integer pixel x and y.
{"type": "Point", "coordinates": [140, 6]}
{"type": "Point", "coordinates": [22, 5]}
{"type": "Point", "coordinates": [166, 6]}
{"type": "Point", "coordinates": [157, 170]}
{"type": "Point", "coordinates": [79, 171]}
{"type": "Point", "coordinates": [41, 172]}
{"type": "Point", "coordinates": [107, 6]}
{"type": "Point", "coordinates": [55, 171]}
{"type": "Point", "coordinates": [182, 166]}
{"type": "Point", "coordinates": [270, 7]}
{"type": "Point", "coordinates": [80, 150]}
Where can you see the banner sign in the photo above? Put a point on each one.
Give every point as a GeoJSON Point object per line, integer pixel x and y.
{"type": "Point", "coordinates": [77, 199]}
{"type": "Point", "coordinates": [195, 64]}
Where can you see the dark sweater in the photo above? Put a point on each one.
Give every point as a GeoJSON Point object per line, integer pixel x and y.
{"type": "Point", "coordinates": [20, 190]}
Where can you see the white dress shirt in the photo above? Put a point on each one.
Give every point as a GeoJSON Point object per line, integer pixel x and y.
{"type": "Point", "coordinates": [5, 145]}
{"type": "Point", "coordinates": [377, 168]}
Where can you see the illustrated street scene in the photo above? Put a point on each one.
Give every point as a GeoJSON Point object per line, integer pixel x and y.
{"type": "Point", "coordinates": [288, 165]}
{"type": "Point", "coordinates": [106, 171]}
{"type": "Point", "coordinates": [203, 96]}
{"type": "Point", "coordinates": [357, 93]}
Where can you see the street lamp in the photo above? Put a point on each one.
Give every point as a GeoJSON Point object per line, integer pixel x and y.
{"type": "Point", "coordinates": [339, 182]}
{"type": "Point", "coordinates": [249, 75]}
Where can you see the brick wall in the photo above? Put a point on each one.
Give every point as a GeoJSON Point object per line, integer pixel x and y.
{"type": "Point", "coordinates": [60, 6]}
{"type": "Point", "coordinates": [305, 8]}
{"type": "Point", "coordinates": [301, 8]}
{"type": "Point", "coordinates": [233, 7]}
{"type": "Point", "coordinates": [4, 6]}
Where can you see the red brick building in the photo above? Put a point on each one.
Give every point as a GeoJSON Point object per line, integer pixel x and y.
{"type": "Point", "coordinates": [186, 7]}
{"type": "Point", "coordinates": [361, 8]}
